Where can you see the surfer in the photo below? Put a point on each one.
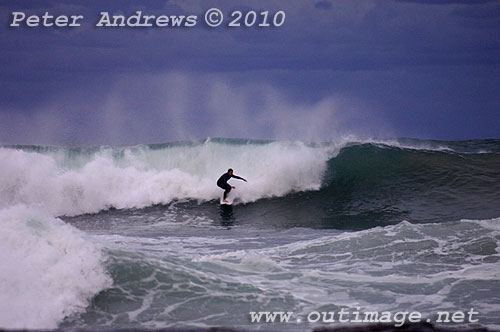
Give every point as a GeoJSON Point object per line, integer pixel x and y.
{"type": "Point", "coordinates": [222, 182]}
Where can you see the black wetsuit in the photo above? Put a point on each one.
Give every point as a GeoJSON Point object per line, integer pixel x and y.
{"type": "Point", "coordinates": [222, 182]}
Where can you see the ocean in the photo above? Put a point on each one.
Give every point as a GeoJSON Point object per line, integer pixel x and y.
{"type": "Point", "coordinates": [115, 237]}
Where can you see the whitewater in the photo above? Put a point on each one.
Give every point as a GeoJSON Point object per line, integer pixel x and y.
{"type": "Point", "coordinates": [132, 236]}
{"type": "Point", "coordinates": [73, 182]}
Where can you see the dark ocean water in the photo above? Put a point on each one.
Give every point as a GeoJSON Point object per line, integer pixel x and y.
{"type": "Point", "coordinates": [116, 237]}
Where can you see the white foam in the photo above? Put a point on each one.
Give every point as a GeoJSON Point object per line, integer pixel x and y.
{"type": "Point", "coordinates": [140, 176]}
{"type": "Point", "coordinates": [491, 224]}
{"type": "Point", "coordinates": [368, 268]}
{"type": "Point", "coordinates": [48, 270]}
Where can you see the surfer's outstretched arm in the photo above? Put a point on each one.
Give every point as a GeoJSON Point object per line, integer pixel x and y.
{"type": "Point", "coordinates": [239, 178]}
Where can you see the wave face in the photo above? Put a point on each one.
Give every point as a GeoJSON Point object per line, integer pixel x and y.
{"type": "Point", "coordinates": [49, 270]}
{"type": "Point", "coordinates": [338, 184]}
{"type": "Point", "coordinates": [420, 183]}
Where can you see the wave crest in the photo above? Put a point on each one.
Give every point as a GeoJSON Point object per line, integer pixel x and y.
{"type": "Point", "coordinates": [69, 182]}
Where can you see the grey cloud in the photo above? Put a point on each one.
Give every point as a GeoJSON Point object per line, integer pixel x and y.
{"type": "Point", "coordinates": [378, 53]}
{"type": "Point", "coordinates": [326, 5]}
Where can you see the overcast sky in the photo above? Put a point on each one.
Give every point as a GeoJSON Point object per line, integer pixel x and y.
{"type": "Point", "coordinates": [412, 68]}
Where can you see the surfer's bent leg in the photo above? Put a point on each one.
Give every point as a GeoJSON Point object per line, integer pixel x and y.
{"type": "Point", "coordinates": [228, 189]}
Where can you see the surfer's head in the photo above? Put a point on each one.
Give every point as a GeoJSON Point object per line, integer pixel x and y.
{"type": "Point", "coordinates": [230, 171]}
